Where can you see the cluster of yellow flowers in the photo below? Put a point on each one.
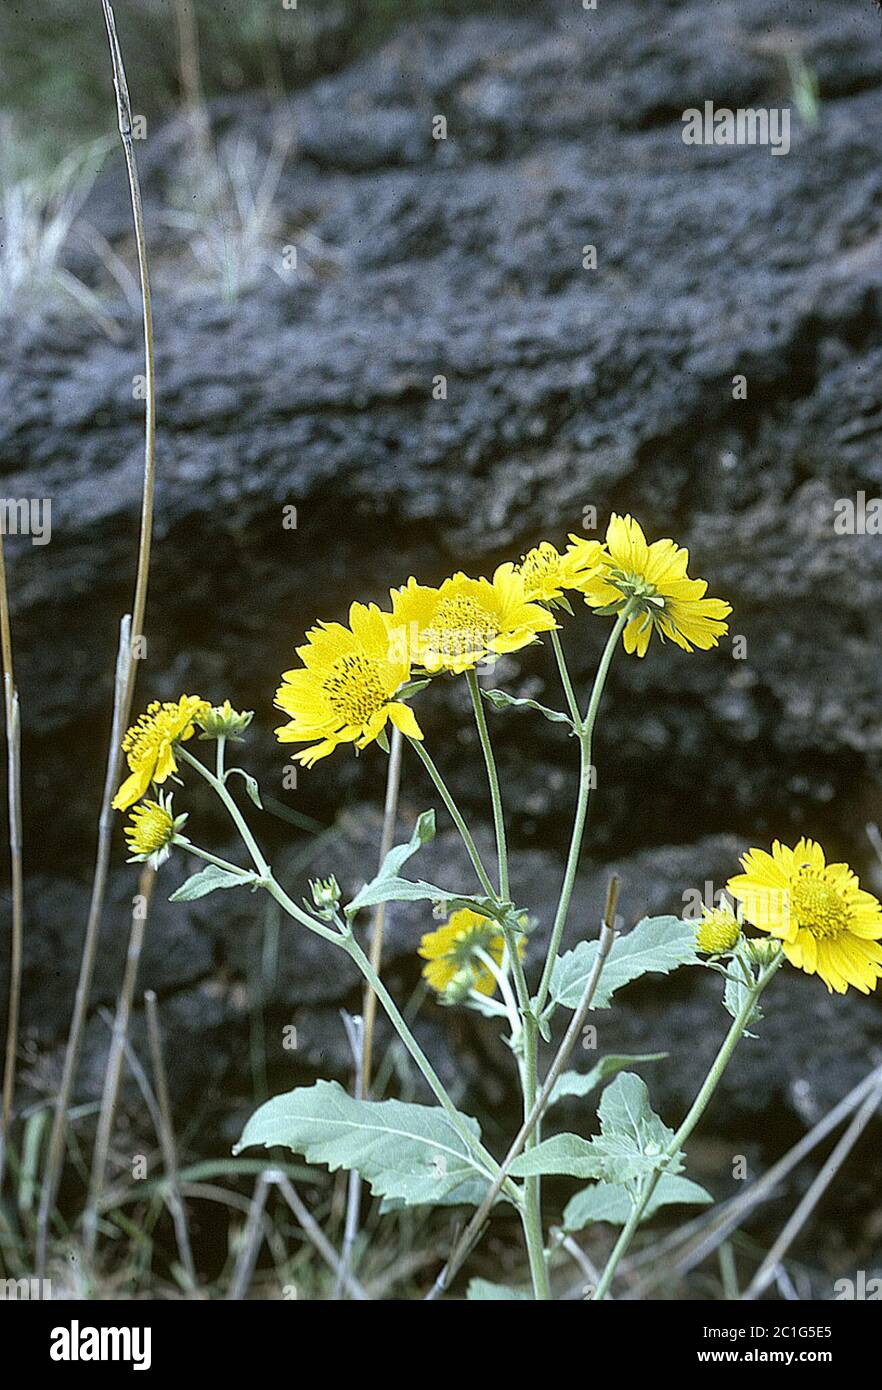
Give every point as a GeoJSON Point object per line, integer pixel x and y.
{"type": "Point", "coordinates": [347, 689]}
{"type": "Point", "coordinates": [353, 681]}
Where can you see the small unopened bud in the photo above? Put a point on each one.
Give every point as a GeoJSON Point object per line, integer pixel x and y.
{"type": "Point", "coordinates": [325, 895]}
{"type": "Point", "coordinates": [761, 950]}
{"type": "Point", "coordinates": [224, 722]}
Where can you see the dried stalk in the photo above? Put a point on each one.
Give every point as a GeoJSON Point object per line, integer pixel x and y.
{"type": "Point", "coordinates": [166, 1134]}
{"type": "Point", "coordinates": [364, 1060]}
{"type": "Point", "coordinates": [113, 1072]}
{"type": "Point", "coordinates": [13, 781]}
{"type": "Point", "coordinates": [126, 666]}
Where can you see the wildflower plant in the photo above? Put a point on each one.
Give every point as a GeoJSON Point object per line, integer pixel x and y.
{"type": "Point", "coordinates": [355, 682]}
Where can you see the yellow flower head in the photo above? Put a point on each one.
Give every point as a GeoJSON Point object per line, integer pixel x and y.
{"type": "Point", "coordinates": [546, 573]}
{"type": "Point", "coordinates": [453, 948]}
{"type": "Point", "coordinates": [718, 930]}
{"type": "Point", "coordinates": [345, 690]}
{"type": "Point", "coordinates": [827, 924]}
{"type": "Point", "coordinates": [149, 745]}
{"type": "Point", "coordinates": [654, 579]}
{"type": "Point", "coordinates": [151, 830]}
{"type": "Point", "coordinates": [465, 621]}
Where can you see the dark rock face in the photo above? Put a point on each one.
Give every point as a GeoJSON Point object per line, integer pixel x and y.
{"type": "Point", "coordinates": [566, 389]}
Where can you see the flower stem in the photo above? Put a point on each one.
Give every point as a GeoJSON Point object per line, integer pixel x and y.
{"type": "Point", "coordinates": [585, 734]}
{"type": "Point", "coordinates": [699, 1105]}
{"type": "Point", "coordinates": [565, 678]}
{"type": "Point", "coordinates": [188, 845]}
{"type": "Point", "coordinates": [531, 1212]}
{"type": "Point", "coordinates": [238, 819]}
{"type": "Point", "coordinates": [455, 815]}
{"type": "Point", "coordinates": [493, 779]}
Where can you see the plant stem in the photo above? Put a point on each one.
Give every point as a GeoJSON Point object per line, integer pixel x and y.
{"type": "Point", "coordinates": [585, 734]}
{"type": "Point", "coordinates": [699, 1105]}
{"type": "Point", "coordinates": [236, 816]}
{"type": "Point", "coordinates": [531, 1213]}
{"type": "Point", "coordinates": [455, 815]}
{"type": "Point", "coordinates": [493, 779]}
{"type": "Point", "coordinates": [565, 678]}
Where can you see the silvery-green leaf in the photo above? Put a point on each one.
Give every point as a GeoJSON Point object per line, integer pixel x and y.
{"type": "Point", "coordinates": [632, 1142]}
{"type": "Point", "coordinates": [423, 832]}
{"type": "Point", "coordinates": [500, 700]}
{"type": "Point", "coordinates": [482, 1289]}
{"type": "Point", "coordinates": [610, 1202]}
{"type": "Point", "coordinates": [412, 688]}
{"type": "Point", "coordinates": [579, 1083]}
{"type": "Point", "coordinates": [656, 945]}
{"type": "Point", "coordinates": [739, 980]}
{"type": "Point", "coordinates": [207, 880]}
{"type": "Point", "coordinates": [405, 1152]}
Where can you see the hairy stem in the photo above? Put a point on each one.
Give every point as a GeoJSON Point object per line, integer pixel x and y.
{"type": "Point", "coordinates": [697, 1109]}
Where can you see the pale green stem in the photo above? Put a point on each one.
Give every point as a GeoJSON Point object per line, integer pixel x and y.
{"type": "Point", "coordinates": [455, 815]}
{"type": "Point", "coordinates": [236, 815]}
{"type": "Point", "coordinates": [493, 779]}
{"type": "Point", "coordinates": [517, 965]}
{"type": "Point", "coordinates": [699, 1105]}
{"type": "Point", "coordinates": [585, 732]}
{"type": "Point", "coordinates": [348, 943]}
{"type": "Point", "coordinates": [531, 1212]}
{"type": "Point", "coordinates": [565, 679]}
{"type": "Point", "coordinates": [210, 858]}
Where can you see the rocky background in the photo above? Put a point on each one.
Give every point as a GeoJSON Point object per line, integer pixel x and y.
{"type": "Point", "coordinates": [567, 389]}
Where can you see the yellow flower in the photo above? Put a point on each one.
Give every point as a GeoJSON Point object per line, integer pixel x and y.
{"type": "Point", "coordinates": [149, 745]}
{"type": "Point", "coordinates": [546, 573]}
{"type": "Point", "coordinates": [653, 578]}
{"type": "Point", "coordinates": [465, 621]}
{"type": "Point", "coordinates": [151, 830]}
{"type": "Point", "coordinates": [828, 925]}
{"type": "Point", "coordinates": [452, 948]}
{"type": "Point", "coordinates": [345, 690]}
{"type": "Point", "coordinates": [717, 931]}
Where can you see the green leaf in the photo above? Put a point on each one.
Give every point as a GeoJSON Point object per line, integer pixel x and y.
{"type": "Point", "coordinates": [207, 880]}
{"type": "Point", "coordinates": [610, 1202]}
{"type": "Point", "coordinates": [739, 982]}
{"type": "Point", "coordinates": [582, 1083]}
{"type": "Point", "coordinates": [423, 832]}
{"type": "Point", "coordinates": [412, 688]}
{"type": "Point", "coordinates": [657, 945]}
{"type": "Point", "coordinates": [500, 700]}
{"type": "Point", "coordinates": [482, 1289]}
{"type": "Point", "coordinates": [631, 1144]}
{"type": "Point", "coordinates": [408, 1153]}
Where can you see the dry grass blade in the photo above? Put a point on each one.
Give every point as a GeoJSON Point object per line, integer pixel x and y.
{"type": "Point", "coordinates": [13, 776]}
{"type": "Point", "coordinates": [167, 1139]}
{"type": "Point", "coordinates": [113, 1072]}
{"type": "Point", "coordinates": [364, 1057]}
{"type": "Point", "coordinates": [770, 1265]}
{"type": "Point", "coordinates": [126, 666]}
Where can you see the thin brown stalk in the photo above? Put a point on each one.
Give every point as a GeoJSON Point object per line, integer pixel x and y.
{"type": "Point", "coordinates": [191, 77]}
{"type": "Point", "coordinates": [803, 1211]}
{"type": "Point", "coordinates": [314, 1233]}
{"type": "Point", "coordinates": [246, 1260]}
{"type": "Point", "coordinates": [167, 1139]}
{"type": "Point", "coordinates": [364, 1061]}
{"type": "Point", "coordinates": [473, 1230]}
{"type": "Point", "coordinates": [13, 783]}
{"type": "Point", "coordinates": [126, 666]}
{"type": "Point", "coordinates": [116, 1053]}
